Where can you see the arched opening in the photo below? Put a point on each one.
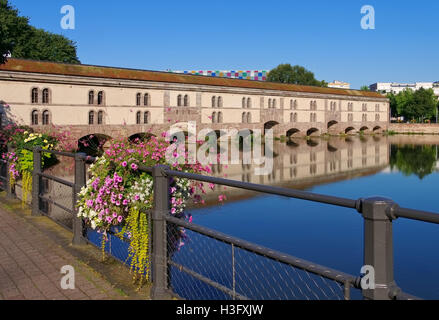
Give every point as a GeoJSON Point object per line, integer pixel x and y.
{"type": "Point", "coordinates": [34, 117]}
{"type": "Point", "coordinates": [176, 134]}
{"type": "Point", "coordinates": [46, 118]}
{"type": "Point", "coordinates": [349, 130]}
{"type": "Point", "coordinates": [312, 142]}
{"type": "Point", "coordinates": [270, 125]}
{"type": "Point", "coordinates": [141, 137]}
{"type": "Point", "coordinates": [331, 148]}
{"type": "Point", "coordinates": [93, 144]}
{"type": "Point", "coordinates": [332, 123]}
{"type": "Point", "coordinates": [292, 132]}
{"type": "Point", "coordinates": [377, 128]}
{"type": "Point", "coordinates": [292, 143]}
{"type": "Point", "coordinates": [364, 129]}
{"type": "Point", "coordinates": [100, 98]}
{"type": "Point", "coordinates": [312, 132]}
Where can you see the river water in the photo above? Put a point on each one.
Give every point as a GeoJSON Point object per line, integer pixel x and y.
{"type": "Point", "coordinates": [403, 168]}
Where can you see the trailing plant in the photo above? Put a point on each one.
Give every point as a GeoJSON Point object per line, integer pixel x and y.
{"type": "Point", "coordinates": [21, 159]}
{"type": "Point", "coordinates": [118, 196]}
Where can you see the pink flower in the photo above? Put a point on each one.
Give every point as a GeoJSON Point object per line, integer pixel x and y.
{"type": "Point", "coordinates": [124, 164]}
{"type": "Point", "coordinates": [134, 166]}
{"type": "Point", "coordinates": [119, 219]}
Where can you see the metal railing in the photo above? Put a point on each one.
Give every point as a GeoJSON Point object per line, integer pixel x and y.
{"type": "Point", "coordinates": [218, 266]}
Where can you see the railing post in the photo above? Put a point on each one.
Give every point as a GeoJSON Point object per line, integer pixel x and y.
{"type": "Point", "coordinates": [378, 247]}
{"type": "Point", "coordinates": [36, 182]}
{"type": "Point", "coordinates": [159, 243]}
{"type": "Point", "coordinates": [80, 181]}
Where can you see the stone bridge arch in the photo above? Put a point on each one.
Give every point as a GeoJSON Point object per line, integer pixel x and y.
{"type": "Point", "coordinates": [293, 132]}
{"type": "Point", "coordinates": [93, 144]}
{"type": "Point", "coordinates": [349, 130]}
{"type": "Point", "coordinates": [272, 124]}
{"type": "Point", "coordinates": [312, 132]}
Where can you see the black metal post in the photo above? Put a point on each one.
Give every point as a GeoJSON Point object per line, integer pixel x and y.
{"type": "Point", "coordinates": [36, 182]}
{"type": "Point", "coordinates": [159, 243]}
{"type": "Point", "coordinates": [378, 248]}
{"type": "Point", "coordinates": [80, 181]}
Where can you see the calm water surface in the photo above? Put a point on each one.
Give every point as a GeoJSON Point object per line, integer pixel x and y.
{"type": "Point", "coordinates": [403, 168]}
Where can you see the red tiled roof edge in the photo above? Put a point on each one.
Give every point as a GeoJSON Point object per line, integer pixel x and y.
{"type": "Point", "coordinates": [44, 67]}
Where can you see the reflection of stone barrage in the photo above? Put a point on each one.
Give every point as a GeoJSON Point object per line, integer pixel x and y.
{"type": "Point", "coordinates": [304, 163]}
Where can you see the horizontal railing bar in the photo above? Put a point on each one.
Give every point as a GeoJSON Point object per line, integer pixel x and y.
{"type": "Point", "coordinates": [292, 193]}
{"type": "Point", "coordinates": [65, 154]}
{"type": "Point", "coordinates": [424, 216]}
{"type": "Point", "coordinates": [59, 153]}
{"type": "Point", "coordinates": [49, 199]}
{"type": "Point", "coordinates": [145, 169]}
{"type": "Point", "coordinates": [406, 296]}
{"type": "Point", "coordinates": [208, 281]}
{"type": "Point", "coordinates": [56, 179]}
{"type": "Point", "coordinates": [325, 272]}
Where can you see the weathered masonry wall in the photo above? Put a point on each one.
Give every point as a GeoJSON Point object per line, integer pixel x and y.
{"type": "Point", "coordinates": [414, 128]}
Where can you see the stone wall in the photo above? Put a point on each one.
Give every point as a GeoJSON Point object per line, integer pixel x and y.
{"type": "Point", "coordinates": [414, 128]}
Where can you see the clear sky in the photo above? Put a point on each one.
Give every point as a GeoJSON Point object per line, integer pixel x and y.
{"type": "Point", "coordinates": [323, 36]}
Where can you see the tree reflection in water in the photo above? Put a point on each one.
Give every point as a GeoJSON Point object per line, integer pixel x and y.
{"type": "Point", "coordinates": [419, 160]}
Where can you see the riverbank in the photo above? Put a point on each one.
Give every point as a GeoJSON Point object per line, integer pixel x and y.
{"type": "Point", "coordinates": [414, 128]}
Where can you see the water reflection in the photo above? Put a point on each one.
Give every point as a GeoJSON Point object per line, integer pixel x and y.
{"type": "Point", "coordinates": [300, 164]}
{"type": "Point", "coordinates": [419, 160]}
{"type": "Point", "coordinates": [303, 163]}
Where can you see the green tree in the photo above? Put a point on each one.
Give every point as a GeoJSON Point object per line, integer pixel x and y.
{"type": "Point", "coordinates": [25, 41]}
{"type": "Point", "coordinates": [425, 102]}
{"type": "Point", "coordinates": [414, 105]}
{"type": "Point", "coordinates": [365, 88]}
{"type": "Point", "coordinates": [405, 104]}
{"type": "Point", "coordinates": [285, 73]}
{"type": "Point", "coordinates": [413, 159]}
{"type": "Point", "coordinates": [393, 104]}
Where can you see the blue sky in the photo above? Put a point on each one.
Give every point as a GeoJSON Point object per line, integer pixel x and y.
{"type": "Point", "coordinates": [324, 36]}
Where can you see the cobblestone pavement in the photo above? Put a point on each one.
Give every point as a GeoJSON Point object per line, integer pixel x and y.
{"type": "Point", "coordinates": [31, 262]}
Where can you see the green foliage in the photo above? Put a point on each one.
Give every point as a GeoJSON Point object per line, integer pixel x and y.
{"type": "Point", "coordinates": [23, 162]}
{"type": "Point", "coordinates": [27, 42]}
{"type": "Point", "coordinates": [285, 73]}
{"type": "Point", "coordinates": [415, 106]}
{"type": "Point", "coordinates": [365, 88]}
{"type": "Point", "coordinates": [136, 225]}
{"type": "Point", "coordinates": [419, 160]}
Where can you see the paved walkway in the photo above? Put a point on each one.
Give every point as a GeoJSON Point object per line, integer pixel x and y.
{"type": "Point", "coordinates": [31, 262]}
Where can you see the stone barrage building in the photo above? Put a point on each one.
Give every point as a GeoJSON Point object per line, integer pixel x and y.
{"type": "Point", "coordinates": [117, 102]}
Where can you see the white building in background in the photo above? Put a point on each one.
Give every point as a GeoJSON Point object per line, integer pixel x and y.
{"type": "Point", "coordinates": [395, 88]}
{"type": "Point", "coordinates": [339, 84]}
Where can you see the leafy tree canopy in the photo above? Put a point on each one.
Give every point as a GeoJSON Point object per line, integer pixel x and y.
{"type": "Point", "coordinates": [285, 73]}
{"type": "Point", "coordinates": [414, 105]}
{"type": "Point", "coordinates": [413, 159]}
{"type": "Point", "coordinates": [365, 88]}
{"type": "Point", "coordinates": [25, 41]}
